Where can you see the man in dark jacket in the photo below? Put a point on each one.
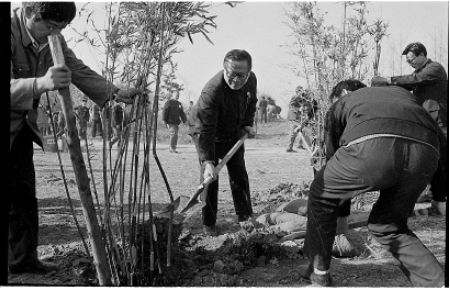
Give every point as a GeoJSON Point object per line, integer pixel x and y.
{"type": "Point", "coordinates": [377, 138]}
{"type": "Point", "coordinates": [32, 74]}
{"type": "Point", "coordinates": [224, 112]}
{"type": "Point", "coordinates": [83, 118]}
{"type": "Point", "coordinates": [429, 83]}
{"type": "Point", "coordinates": [262, 109]}
{"type": "Point", "coordinates": [172, 116]}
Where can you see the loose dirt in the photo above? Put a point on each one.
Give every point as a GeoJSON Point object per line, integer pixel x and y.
{"type": "Point", "coordinates": [236, 257]}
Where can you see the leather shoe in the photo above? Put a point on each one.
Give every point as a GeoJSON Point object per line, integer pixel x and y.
{"type": "Point", "coordinates": [33, 266]}
{"type": "Point", "coordinates": [210, 230]}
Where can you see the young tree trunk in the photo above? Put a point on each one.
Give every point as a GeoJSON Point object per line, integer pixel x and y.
{"type": "Point", "coordinates": [73, 142]}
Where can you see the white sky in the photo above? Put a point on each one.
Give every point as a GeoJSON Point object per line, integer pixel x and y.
{"type": "Point", "coordinates": [258, 28]}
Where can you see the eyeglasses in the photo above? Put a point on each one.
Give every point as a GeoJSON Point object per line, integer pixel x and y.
{"type": "Point", "coordinates": [411, 60]}
{"type": "Point", "coordinates": [232, 75]}
{"type": "Point", "coordinates": [52, 26]}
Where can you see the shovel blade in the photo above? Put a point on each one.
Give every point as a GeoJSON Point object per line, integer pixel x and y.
{"type": "Point", "coordinates": [199, 207]}
{"type": "Point", "coordinates": [171, 207]}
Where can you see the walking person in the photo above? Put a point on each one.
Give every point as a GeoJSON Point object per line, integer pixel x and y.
{"type": "Point", "coordinates": [377, 138]}
{"type": "Point", "coordinates": [117, 123]}
{"type": "Point", "coordinates": [262, 109]}
{"type": "Point", "coordinates": [32, 74]}
{"type": "Point", "coordinates": [172, 116]}
{"type": "Point", "coordinates": [96, 121]}
{"type": "Point", "coordinates": [224, 112]}
{"type": "Point", "coordinates": [83, 118]}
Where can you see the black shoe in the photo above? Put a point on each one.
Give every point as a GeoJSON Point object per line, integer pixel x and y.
{"type": "Point", "coordinates": [210, 230]}
{"type": "Point", "coordinates": [290, 150]}
{"type": "Point", "coordinates": [301, 147]}
{"type": "Point", "coordinates": [306, 274]}
{"type": "Point", "coordinates": [243, 218]}
{"type": "Point", "coordinates": [321, 280]}
{"type": "Point", "coordinates": [34, 266]}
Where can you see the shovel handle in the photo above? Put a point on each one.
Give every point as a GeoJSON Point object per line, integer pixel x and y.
{"type": "Point", "coordinates": [230, 154]}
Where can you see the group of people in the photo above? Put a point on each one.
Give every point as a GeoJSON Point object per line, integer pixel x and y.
{"type": "Point", "coordinates": [376, 139]}
{"type": "Point", "coordinates": [380, 138]}
{"type": "Point", "coordinates": [267, 110]}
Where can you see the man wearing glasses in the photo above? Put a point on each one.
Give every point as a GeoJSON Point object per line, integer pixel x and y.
{"type": "Point", "coordinates": [224, 112]}
{"type": "Point", "coordinates": [32, 74]}
{"type": "Point", "coordinates": [429, 83]}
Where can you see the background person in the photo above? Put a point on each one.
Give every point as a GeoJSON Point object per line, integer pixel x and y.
{"type": "Point", "coordinates": [96, 121]}
{"type": "Point", "coordinates": [32, 74]}
{"type": "Point", "coordinates": [382, 129]}
{"type": "Point", "coordinates": [83, 118]}
{"type": "Point", "coordinates": [172, 116]}
{"type": "Point", "coordinates": [262, 110]}
{"type": "Point", "coordinates": [224, 112]}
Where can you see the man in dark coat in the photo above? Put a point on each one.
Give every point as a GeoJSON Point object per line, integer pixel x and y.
{"type": "Point", "coordinates": [376, 138]}
{"type": "Point", "coordinates": [83, 118]}
{"type": "Point", "coordinates": [224, 112]}
{"type": "Point", "coordinates": [262, 109]}
{"type": "Point", "coordinates": [429, 83]}
{"type": "Point", "coordinates": [172, 116]}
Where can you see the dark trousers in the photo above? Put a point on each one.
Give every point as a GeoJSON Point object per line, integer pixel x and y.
{"type": "Point", "coordinates": [240, 189]}
{"type": "Point", "coordinates": [97, 125]}
{"type": "Point", "coordinates": [173, 131]}
{"type": "Point", "coordinates": [400, 169]}
{"type": "Point", "coordinates": [82, 129]}
{"type": "Point", "coordinates": [23, 212]}
{"type": "Point", "coordinates": [263, 115]}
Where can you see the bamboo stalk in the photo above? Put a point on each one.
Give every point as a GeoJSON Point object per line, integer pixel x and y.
{"type": "Point", "coordinates": [63, 174]}
{"type": "Point", "coordinates": [73, 142]}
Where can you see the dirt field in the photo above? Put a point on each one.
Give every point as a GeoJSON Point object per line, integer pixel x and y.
{"type": "Point", "coordinates": [269, 167]}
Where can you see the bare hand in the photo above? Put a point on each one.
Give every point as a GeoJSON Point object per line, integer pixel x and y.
{"type": "Point", "coordinates": [251, 132]}
{"type": "Point", "coordinates": [57, 77]}
{"type": "Point", "coordinates": [209, 171]}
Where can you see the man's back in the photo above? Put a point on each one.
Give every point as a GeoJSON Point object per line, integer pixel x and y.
{"type": "Point", "coordinates": [383, 110]}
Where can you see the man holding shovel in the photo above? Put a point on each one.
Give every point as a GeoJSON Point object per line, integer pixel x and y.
{"type": "Point", "coordinates": [32, 74]}
{"type": "Point", "coordinates": [224, 112]}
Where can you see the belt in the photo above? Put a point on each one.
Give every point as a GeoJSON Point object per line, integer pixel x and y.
{"type": "Point", "coordinates": [373, 136]}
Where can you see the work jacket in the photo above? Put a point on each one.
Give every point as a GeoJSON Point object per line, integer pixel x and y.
{"type": "Point", "coordinates": [221, 113]}
{"type": "Point", "coordinates": [173, 112]}
{"type": "Point", "coordinates": [27, 64]}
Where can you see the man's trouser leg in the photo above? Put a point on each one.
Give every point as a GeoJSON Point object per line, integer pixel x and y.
{"type": "Point", "coordinates": [209, 194]}
{"type": "Point", "coordinates": [400, 169]}
{"type": "Point", "coordinates": [292, 135]}
{"type": "Point", "coordinates": [94, 128]}
{"type": "Point", "coordinates": [173, 131]}
{"type": "Point", "coordinates": [23, 213]}
{"type": "Point", "coordinates": [439, 182]}
{"type": "Point", "coordinates": [240, 188]}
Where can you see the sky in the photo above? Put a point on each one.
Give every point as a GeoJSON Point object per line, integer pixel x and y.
{"type": "Point", "coordinates": [259, 28]}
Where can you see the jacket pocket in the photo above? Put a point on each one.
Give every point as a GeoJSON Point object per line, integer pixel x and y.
{"type": "Point", "coordinates": [21, 71]}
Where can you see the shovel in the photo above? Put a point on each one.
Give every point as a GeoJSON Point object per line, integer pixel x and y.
{"type": "Point", "coordinates": [193, 200]}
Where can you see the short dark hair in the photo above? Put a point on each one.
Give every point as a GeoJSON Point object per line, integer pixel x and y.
{"type": "Point", "coordinates": [55, 11]}
{"type": "Point", "coordinates": [349, 85]}
{"type": "Point", "coordinates": [239, 55]}
{"type": "Point", "coordinates": [416, 48]}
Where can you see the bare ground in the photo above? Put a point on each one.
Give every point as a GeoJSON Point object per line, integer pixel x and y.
{"type": "Point", "coordinates": [269, 166]}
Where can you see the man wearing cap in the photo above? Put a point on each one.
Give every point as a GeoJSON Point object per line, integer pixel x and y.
{"type": "Point", "coordinates": [32, 74]}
